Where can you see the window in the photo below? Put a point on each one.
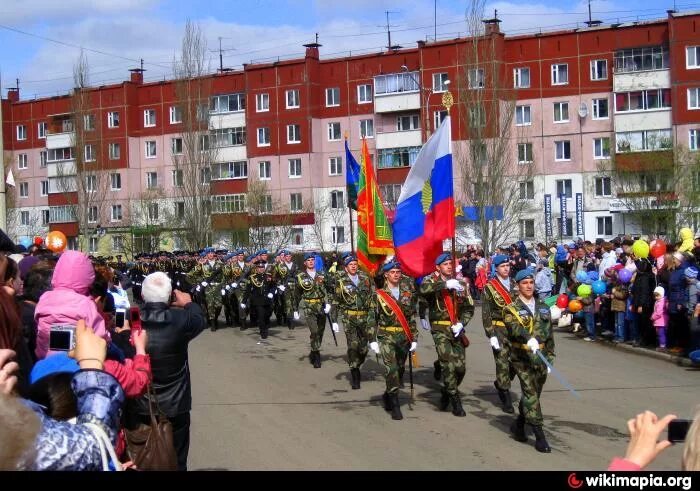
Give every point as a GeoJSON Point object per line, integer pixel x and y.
{"type": "Point", "coordinates": [397, 157]}
{"type": "Point", "coordinates": [561, 112]}
{"type": "Point", "coordinates": [263, 137]}
{"type": "Point", "coordinates": [264, 170]}
{"type": "Point", "coordinates": [560, 74]}
{"type": "Point", "coordinates": [44, 188]}
{"type": "Point", "coordinates": [176, 146]}
{"type": "Point", "coordinates": [396, 82]}
{"type": "Point", "coordinates": [293, 99]}
{"type": "Point", "coordinates": [476, 78]}
{"type": "Point", "coordinates": [521, 78]}
{"type": "Point", "coordinates": [113, 119]}
{"type": "Point", "coordinates": [564, 187]}
{"type": "Point", "coordinates": [89, 122]}
{"type": "Point", "coordinates": [337, 200]}
{"type": "Point", "coordinates": [89, 152]}
{"type": "Point", "coordinates": [205, 175]}
{"type": "Point", "coordinates": [203, 143]}
{"type": "Point", "coordinates": [266, 204]}
{"type": "Point", "coordinates": [115, 181]}
{"type": "Point", "coordinates": [180, 209]}
{"type": "Point", "coordinates": [527, 190]}
{"type": "Point", "coordinates": [694, 139]}
{"type": "Point", "coordinates": [93, 244]}
{"type": "Point", "coordinates": [297, 236]}
{"type": "Point", "coordinates": [390, 194]}
{"type": "Point", "coordinates": [527, 229]}
{"type": "Point", "coordinates": [653, 182]}
{"type": "Point", "coordinates": [603, 187]}
{"type": "Point", "coordinates": [525, 153]}
{"type": "Point", "coordinates": [367, 128]}
{"type": "Point", "coordinates": [230, 170]}
{"type": "Point", "coordinates": [523, 116]}
{"type": "Point", "coordinates": [230, 203]}
{"type": "Point", "coordinates": [694, 98]}
{"type": "Point", "coordinates": [438, 118]}
{"type": "Point", "coordinates": [295, 202]}
{"type": "Point", "coordinates": [262, 103]}
{"type": "Point", "coordinates": [599, 69]}
{"type": "Point", "coordinates": [333, 131]}
{"type": "Point", "coordinates": [22, 162]}
{"type": "Point", "coordinates": [21, 132]}
{"type": "Point", "coordinates": [92, 214]}
{"type": "Point", "coordinates": [477, 116]}
{"type": "Point", "coordinates": [562, 150]}
{"type": "Point", "coordinates": [114, 151]}
{"type": "Point", "coordinates": [62, 214]}
{"type": "Point", "coordinates": [604, 226]}
{"type": "Point", "coordinates": [41, 129]}
{"type": "Point", "coordinates": [59, 154]}
{"type": "Point", "coordinates": [45, 215]}
{"type": "Point", "coordinates": [227, 103]}
{"type": "Point", "coordinates": [338, 235]}
{"type": "Point", "coordinates": [408, 122]}
{"type": "Point", "coordinates": [175, 115]}
{"type": "Point", "coordinates": [43, 158]}
{"type": "Point", "coordinates": [149, 117]}
{"type": "Point", "coordinates": [333, 97]}
{"type": "Point", "coordinates": [643, 100]}
{"type": "Point", "coordinates": [601, 148]}
{"type": "Point", "coordinates": [228, 137]}
{"type": "Point", "coordinates": [335, 166]}
{"type": "Point", "coordinates": [91, 183]}
{"type": "Point", "coordinates": [24, 218]}
{"type": "Point", "coordinates": [439, 82]}
{"type": "Point", "coordinates": [635, 141]}
{"type": "Point", "coordinates": [294, 167]}
{"type": "Point", "coordinates": [150, 149]}
{"type": "Point", "coordinates": [641, 59]}
{"type": "Point", "coordinates": [116, 213]}
{"type": "Point", "coordinates": [364, 94]}
{"type": "Point", "coordinates": [151, 180]}
{"type": "Point", "coordinates": [294, 133]}
{"type": "Point", "coordinates": [66, 126]}
{"type": "Point", "coordinates": [600, 109]}
{"type": "Point", "coordinates": [117, 243]}
{"type": "Point", "coordinates": [692, 57]}
{"type": "Point", "coordinates": [177, 176]}
{"type": "Point", "coordinates": [153, 211]}
{"type": "Point", "coordinates": [24, 190]}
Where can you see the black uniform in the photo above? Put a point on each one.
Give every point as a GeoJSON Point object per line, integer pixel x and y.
{"type": "Point", "coordinates": [259, 297]}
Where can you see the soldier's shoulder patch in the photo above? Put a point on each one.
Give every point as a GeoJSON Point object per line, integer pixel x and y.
{"type": "Point", "coordinates": [544, 311]}
{"type": "Point", "coordinates": [507, 318]}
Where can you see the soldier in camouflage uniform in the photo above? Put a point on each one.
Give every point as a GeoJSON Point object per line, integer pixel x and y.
{"type": "Point", "coordinates": [207, 275]}
{"type": "Point", "coordinates": [392, 341]}
{"type": "Point", "coordinates": [311, 287]}
{"type": "Point", "coordinates": [449, 336]}
{"type": "Point", "coordinates": [529, 330]}
{"type": "Point", "coordinates": [234, 287]}
{"type": "Point", "coordinates": [498, 293]}
{"type": "Point", "coordinates": [353, 295]}
{"type": "Point", "coordinates": [284, 273]}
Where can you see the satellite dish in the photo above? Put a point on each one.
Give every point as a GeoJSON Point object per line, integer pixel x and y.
{"type": "Point", "coordinates": [582, 110]}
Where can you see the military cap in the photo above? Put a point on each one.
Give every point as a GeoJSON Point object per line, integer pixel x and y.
{"type": "Point", "coordinates": [445, 256]}
{"type": "Point", "coordinates": [208, 250]}
{"type": "Point", "coordinates": [393, 264]}
{"type": "Point", "coordinates": [524, 274]}
{"type": "Point", "coordinates": [249, 258]}
{"type": "Point", "coordinates": [261, 251]}
{"type": "Point", "coordinates": [284, 252]}
{"type": "Point", "coordinates": [500, 259]}
{"type": "Point", "coordinates": [348, 259]}
{"type": "Point", "coordinates": [260, 262]}
{"type": "Point", "coordinates": [309, 255]}
{"type": "Point", "coordinates": [202, 254]}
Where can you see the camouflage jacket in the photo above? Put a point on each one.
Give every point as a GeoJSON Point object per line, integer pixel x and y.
{"type": "Point", "coordinates": [348, 296]}
{"type": "Point", "coordinates": [310, 289]}
{"type": "Point", "coordinates": [522, 324]}
{"type": "Point", "coordinates": [431, 290]}
{"type": "Point", "coordinates": [408, 303]}
{"type": "Point", "coordinates": [206, 272]}
{"type": "Point", "coordinates": [283, 274]}
{"type": "Point", "coordinates": [493, 304]}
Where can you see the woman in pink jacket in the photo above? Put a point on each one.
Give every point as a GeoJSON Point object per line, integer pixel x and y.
{"type": "Point", "coordinates": [68, 300]}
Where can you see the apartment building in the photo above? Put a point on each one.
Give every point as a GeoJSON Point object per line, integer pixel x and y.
{"type": "Point", "coordinates": [632, 90]}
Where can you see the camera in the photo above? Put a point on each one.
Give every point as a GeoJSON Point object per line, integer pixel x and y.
{"type": "Point", "coordinates": [62, 337]}
{"type": "Point", "coordinates": [119, 317]}
{"type": "Point", "coordinates": [678, 429]}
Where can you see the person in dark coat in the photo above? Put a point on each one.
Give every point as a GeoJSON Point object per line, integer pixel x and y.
{"type": "Point", "coordinates": [643, 302]}
{"type": "Point", "coordinates": [169, 332]}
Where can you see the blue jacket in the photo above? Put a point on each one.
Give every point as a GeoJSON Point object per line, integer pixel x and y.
{"type": "Point", "coordinates": [678, 290]}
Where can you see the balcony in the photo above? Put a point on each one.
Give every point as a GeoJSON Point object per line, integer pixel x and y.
{"type": "Point", "coordinates": [397, 102]}
{"type": "Point", "coordinates": [59, 140]}
{"type": "Point", "coordinates": [648, 80]}
{"type": "Point", "coordinates": [641, 161]}
{"type": "Point", "coordinates": [61, 169]}
{"type": "Point", "coordinates": [411, 138]}
{"type": "Point", "coordinates": [657, 119]}
{"type": "Point", "coordinates": [62, 214]}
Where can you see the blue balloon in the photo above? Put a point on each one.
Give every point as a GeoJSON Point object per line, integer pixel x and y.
{"type": "Point", "coordinates": [25, 241]}
{"type": "Point", "coordinates": [599, 287]}
{"type": "Point", "coordinates": [581, 276]}
{"type": "Point", "coordinates": [593, 276]}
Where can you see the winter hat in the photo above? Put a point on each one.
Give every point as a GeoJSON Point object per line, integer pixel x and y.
{"type": "Point", "coordinates": [660, 291]}
{"type": "Point", "coordinates": [26, 264]}
{"type": "Point", "coordinates": [52, 364]}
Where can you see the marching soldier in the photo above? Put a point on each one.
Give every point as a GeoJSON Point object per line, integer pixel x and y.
{"type": "Point", "coordinates": [395, 331]}
{"type": "Point", "coordinates": [529, 330]}
{"type": "Point", "coordinates": [259, 295]}
{"type": "Point", "coordinates": [284, 273]}
{"type": "Point", "coordinates": [498, 293]}
{"type": "Point", "coordinates": [208, 274]}
{"type": "Point", "coordinates": [311, 288]}
{"type": "Point", "coordinates": [233, 278]}
{"type": "Point", "coordinates": [448, 314]}
{"type": "Point", "coordinates": [354, 292]}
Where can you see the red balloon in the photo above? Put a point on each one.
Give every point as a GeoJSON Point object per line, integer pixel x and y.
{"type": "Point", "coordinates": [563, 301]}
{"type": "Point", "coordinates": [658, 248]}
{"type": "Point", "coordinates": [575, 306]}
{"type": "Point", "coordinates": [38, 240]}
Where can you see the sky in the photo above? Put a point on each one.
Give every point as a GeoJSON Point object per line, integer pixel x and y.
{"type": "Point", "coordinates": [40, 40]}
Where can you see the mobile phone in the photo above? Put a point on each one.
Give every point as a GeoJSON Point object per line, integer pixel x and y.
{"type": "Point", "coordinates": [135, 316]}
{"type": "Point", "coordinates": [119, 317]}
{"type": "Point", "coordinates": [62, 337]}
{"type": "Point", "coordinates": [678, 429]}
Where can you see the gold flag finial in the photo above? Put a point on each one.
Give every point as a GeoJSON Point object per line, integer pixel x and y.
{"type": "Point", "coordinates": [447, 100]}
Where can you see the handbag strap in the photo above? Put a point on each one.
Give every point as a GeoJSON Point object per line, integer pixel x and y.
{"type": "Point", "coordinates": [106, 447]}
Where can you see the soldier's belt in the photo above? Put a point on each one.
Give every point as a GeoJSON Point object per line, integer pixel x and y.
{"type": "Point", "coordinates": [312, 300]}
{"type": "Point", "coordinates": [441, 323]}
{"type": "Point", "coordinates": [524, 346]}
{"type": "Point", "coordinates": [498, 323]}
{"type": "Point", "coordinates": [391, 328]}
{"type": "Point", "coordinates": [356, 312]}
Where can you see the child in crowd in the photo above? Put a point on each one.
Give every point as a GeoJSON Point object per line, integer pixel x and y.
{"type": "Point", "coordinates": [660, 316]}
{"type": "Point", "coordinates": [618, 305]}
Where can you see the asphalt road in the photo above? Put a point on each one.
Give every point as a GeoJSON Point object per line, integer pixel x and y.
{"type": "Point", "coordinates": [260, 405]}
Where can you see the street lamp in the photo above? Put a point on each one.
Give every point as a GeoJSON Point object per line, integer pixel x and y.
{"type": "Point", "coordinates": [424, 90]}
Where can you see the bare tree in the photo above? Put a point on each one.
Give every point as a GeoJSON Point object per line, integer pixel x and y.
{"type": "Point", "coordinates": [490, 172]}
{"type": "Point", "coordinates": [270, 222]}
{"type": "Point", "coordinates": [147, 214]}
{"type": "Point", "coordinates": [330, 210]}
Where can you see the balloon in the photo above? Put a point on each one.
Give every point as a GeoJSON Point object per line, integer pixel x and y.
{"type": "Point", "coordinates": [56, 241]}
{"type": "Point", "coordinates": [625, 275]}
{"type": "Point", "coordinates": [599, 287]}
{"type": "Point", "coordinates": [38, 240]}
{"type": "Point", "coordinates": [584, 290]}
{"type": "Point", "coordinates": [658, 248]}
{"type": "Point", "coordinates": [593, 276]}
{"type": "Point", "coordinates": [581, 276]}
{"type": "Point", "coordinates": [563, 301]}
{"type": "Point", "coordinates": [575, 306]}
{"type": "Point", "coordinates": [640, 249]}
{"type": "Point", "coordinates": [554, 313]}
{"type": "Point", "coordinates": [25, 241]}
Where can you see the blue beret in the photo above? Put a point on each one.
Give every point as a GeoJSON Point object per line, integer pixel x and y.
{"type": "Point", "coordinates": [239, 252]}
{"type": "Point", "coordinates": [445, 256]}
{"type": "Point", "coordinates": [208, 249]}
{"type": "Point", "coordinates": [524, 274]}
{"type": "Point", "coordinates": [202, 254]}
{"type": "Point", "coordinates": [309, 255]}
{"type": "Point", "coordinates": [284, 252]}
{"type": "Point", "coordinates": [391, 265]}
{"type": "Point", "coordinates": [500, 259]}
{"type": "Point", "coordinates": [261, 251]}
{"type": "Point", "coordinates": [52, 364]}
{"type": "Point", "coordinates": [249, 258]}
{"type": "Point", "coordinates": [228, 256]}
{"type": "Point", "coordinates": [348, 259]}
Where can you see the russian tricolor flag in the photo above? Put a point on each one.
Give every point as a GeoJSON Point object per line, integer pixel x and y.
{"type": "Point", "coordinates": [425, 211]}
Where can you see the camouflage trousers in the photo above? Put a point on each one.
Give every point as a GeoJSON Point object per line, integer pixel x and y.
{"type": "Point", "coordinates": [356, 335]}
{"type": "Point", "coordinates": [452, 359]}
{"type": "Point", "coordinates": [213, 299]}
{"type": "Point", "coordinates": [394, 349]}
{"type": "Point", "coordinates": [504, 370]}
{"type": "Point", "coordinates": [532, 375]}
{"type": "Point", "coordinates": [316, 320]}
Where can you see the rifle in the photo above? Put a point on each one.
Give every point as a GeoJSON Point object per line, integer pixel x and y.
{"type": "Point", "coordinates": [330, 322]}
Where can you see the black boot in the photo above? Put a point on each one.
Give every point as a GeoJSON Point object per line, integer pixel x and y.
{"type": "Point", "coordinates": [214, 325]}
{"type": "Point", "coordinates": [517, 429]}
{"type": "Point", "coordinates": [541, 444]}
{"type": "Point", "coordinates": [317, 359]}
{"type": "Point", "coordinates": [263, 333]}
{"type": "Point", "coordinates": [437, 372]}
{"type": "Point", "coordinates": [444, 400]}
{"type": "Point", "coordinates": [395, 408]}
{"type": "Point", "coordinates": [506, 401]}
{"type": "Point", "coordinates": [355, 376]}
{"type": "Point", "coordinates": [401, 372]}
{"type": "Point", "coordinates": [457, 409]}
{"type": "Point", "coordinates": [229, 322]}
{"type": "Point", "coordinates": [386, 399]}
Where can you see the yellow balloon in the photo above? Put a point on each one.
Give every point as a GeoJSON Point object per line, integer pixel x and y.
{"type": "Point", "coordinates": [640, 248]}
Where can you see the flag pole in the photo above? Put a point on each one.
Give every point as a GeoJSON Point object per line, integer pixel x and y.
{"type": "Point", "coordinates": [352, 230]}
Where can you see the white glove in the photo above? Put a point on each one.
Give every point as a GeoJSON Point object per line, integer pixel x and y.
{"type": "Point", "coordinates": [454, 285]}
{"type": "Point", "coordinates": [533, 345]}
{"type": "Point", "coordinates": [270, 295]}
{"type": "Point", "coordinates": [243, 306]}
{"type": "Point", "coordinates": [234, 285]}
{"type": "Point", "coordinates": [199, 288]}
{"type": "Point", "coordinates": [204, 283]}
{"type": "Point", "coordinates": [327, 309]}
{"type": "Point", "coordinates": [458, 268]}
{"type": "Point", "coordinates": [223, 292]}
{"type": "Point", "coordinates": [281, 288]}
{"type": "Point", "coordinates": [425, 324]}
{"type": "Point", "coordinates": [549, 370]}
{"type": "Point", "coordinates": [374, 346]}
{"type": "Point", "coordinates": [457, 328]}
{"type": "Point", "coordinates": [296, 316]}
{"type": "Point", "coordinates": [335, 327]}
{"type": "Point", "coordinates": [228, 287]}
{"type": "Point", "coordinates": [494, 343]}
{"type": "Point", "coordinates": [413, 347]}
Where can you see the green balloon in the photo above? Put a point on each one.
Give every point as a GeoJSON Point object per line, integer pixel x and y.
{"type": "Point", "coordinates": [584, 290]}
